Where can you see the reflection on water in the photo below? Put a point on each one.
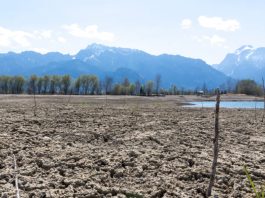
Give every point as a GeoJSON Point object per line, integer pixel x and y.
{"type": "Point", "coordinates": [229, 104]}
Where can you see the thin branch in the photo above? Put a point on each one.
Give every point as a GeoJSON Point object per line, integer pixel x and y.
{"type": "Point", "coordinates": [69, 98]}
{"type": "Point", "coordinates": [106, 99]}
{"type": "Point", "coordinates": [255, 109]}
{"type": "Point", "coordinates": [16, 178]}
{"type": "Point", "coordinates": [216, 147]}
{"type": "Point", "coordinates": [35, 104]}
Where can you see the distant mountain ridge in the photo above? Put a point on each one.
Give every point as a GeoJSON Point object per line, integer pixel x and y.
{"type": "Point", "coordinates": [116, 62]}
{"type": "Point", "coordinates": [246, 62]}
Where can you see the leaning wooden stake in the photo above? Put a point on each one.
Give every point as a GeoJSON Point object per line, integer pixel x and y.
{"type": "Point", "coordinates": [16, 179]}
{"type": "Point", "coordinates": [264, 99]}
{"type": "Point", "coordinates": [69, 98]}
{"type": "Point", "coordinates": [255, 109]}
{"type": "Point", "coordinates": [216, 147]}
{"type": "Point", "coordinates": [35, 104]}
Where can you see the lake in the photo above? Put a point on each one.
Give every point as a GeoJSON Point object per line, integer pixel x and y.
{"type": "Point", "coordinates": [229, 104]}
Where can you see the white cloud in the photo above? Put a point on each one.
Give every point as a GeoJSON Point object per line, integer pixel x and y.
{"type": "Point", "coordinates": [219, 23]}
{"type": "Point", "coordinates": [46, 34]}
{"type": "Point", "coordinates": [186, 24]}
{"type": "Point", "coordinates": [42, 34]}
{"type": "Point", "coordinates": [4, 40]}
{"type": "Point", "coordinates": [198, 39]}
{"type": "Point", "coordinates": [89, 32]}
{"type": "Point", "coordinates": [214, 40]}
{"type": "Point", "coordinates": [9, 37]}
{"type": "Point", "coordinates": [61, 39]}
{"type": "Point", "coordinates": [40, 50]}
{"type": "Point", "coordinates": [21, 39]}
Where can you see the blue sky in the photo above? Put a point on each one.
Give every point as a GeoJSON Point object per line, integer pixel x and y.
{"type": "Point", "coordinates": [206, 29]}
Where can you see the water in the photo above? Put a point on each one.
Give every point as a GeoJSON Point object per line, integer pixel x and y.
{"type": "Point", "coordinates": [229, 104]}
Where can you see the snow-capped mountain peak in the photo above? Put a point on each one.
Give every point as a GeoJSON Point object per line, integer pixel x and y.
{"type": "Point", "coordinates": [243, 49]}
{"type": "Point", "coordinates": [246, 62]}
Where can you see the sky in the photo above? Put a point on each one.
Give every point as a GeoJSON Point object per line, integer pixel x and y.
{"type": "Point", "coordinates": [205, 29]}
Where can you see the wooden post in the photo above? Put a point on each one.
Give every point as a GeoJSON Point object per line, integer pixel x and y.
{"type": "Point", "coordinates": [216, 147]}
{"type": "Point", "coordinates": [35, 104]}
{"type": "Point", "coordinates": [69, 98]}
{"type": "Point", "coordinates": [264, 99]}
{"type": "Point", "coordinates": [16, 179]}
{"type": "Point", "coordinates": [255, 109]}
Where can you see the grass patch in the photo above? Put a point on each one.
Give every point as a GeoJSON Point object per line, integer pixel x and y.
{"type": "Point", "coordinates": [253, 186]}
{"type": "Point", "coordinates": [133, 195]}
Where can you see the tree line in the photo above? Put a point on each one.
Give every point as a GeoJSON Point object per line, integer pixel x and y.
{"type": "Point", "coordinates": [83, 85]}
{"type": "Point", "coordinates": [92, 85]}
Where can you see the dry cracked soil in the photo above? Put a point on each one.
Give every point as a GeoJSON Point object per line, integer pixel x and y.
{"type": "Point", "coordinates": [82, 146]}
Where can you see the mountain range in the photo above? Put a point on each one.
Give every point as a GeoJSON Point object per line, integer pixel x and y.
{"type": "Point", "coordinates": [246, 62]}
{"type": "Point", "coordinates": [134, 64]}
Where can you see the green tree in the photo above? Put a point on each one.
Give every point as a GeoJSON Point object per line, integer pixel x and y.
{"type": "Point", "coordinates": [77, 85]}
{"type": "Point", "coordinates": [84, 79]}
{"type": "Point", "coordinates": [46, 83]}
{"type": "Point", "coordinates": [66, 82]}
{"type": "Point", "coordinates": [32, 87]}
{"type": "Point", "coordinates": [157, 83]}
{"type": "Point", "coordinates": [173, 90]}
{"type": "Point", "coordinates": [94, 84]}
{"type": "Point", "coordinates": [132, 90]}
{"type": "Point", "coordinates": [137, 87]}
{"type": "Point", "coordinates": [117, 89]}
{"type": "Point", "coordinates": [19, 84]}
{"type": "Point", "coordinates": [248, 87]}
{"type": "Point", "coordinates": [55, 84]}
{"type": "Point", "coordinates": [108, 84]}
{"type": "Point", "coordinates": [5, 84]}
{"type": "Point", "coordinates": [149, 87]}
{"type": "Point", "coordinates": [126, 84]}
{"type": "Point", "coordinates": [39, 85]}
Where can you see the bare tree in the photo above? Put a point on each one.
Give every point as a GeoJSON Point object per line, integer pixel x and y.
{"type": "Point", "coordinates": [216, 147]}
{"type": "Point", "coordinates": [56, 84]}
{"type": "Point", "coordinates": [230, 85]}
{"type": "Point", "coordinates": [19, 83]}
{"type": "Point", "coordinates": [39, 85]}
{"type": "Point", "coordinates": [126, 87]}
{"type": "Point", "coordinates": [126, 84]}
{"type": "Point", "coordinates": [204, 88]}
{"type": "Point", "coordinates": [108, 84]}
{"type": "Point", "coordinates": [46, 81]}
{"type": "Point", "coordinates": [149, 87]}
{"type": "Point", "coordinates": [94, 84]}
{"type": "Point", "coordinates": [33, 84]}
{"type": "Point", "coordinates": [137, 87]}
{"type": "Point", "coordinates": [32, 89]}
{"type": "Point", "coordinates": [173, 90]}
{"type": "Point", "coordinates": [157, 83]}
{"type": "Point", "coordinates": [66, 82]}
{"type": "Point", "coordinates": [77, 85]}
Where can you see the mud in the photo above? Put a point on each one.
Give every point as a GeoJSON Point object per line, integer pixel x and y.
{"type": "Point", "coordinates": [125, 147]}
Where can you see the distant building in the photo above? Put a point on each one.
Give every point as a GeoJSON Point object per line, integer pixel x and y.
{"type": "Point", "coordinates": [200, 93]}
